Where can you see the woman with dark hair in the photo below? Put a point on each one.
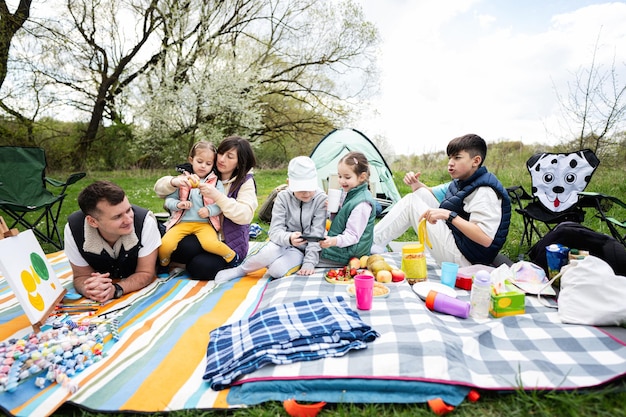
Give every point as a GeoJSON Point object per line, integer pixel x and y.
{"type": "Point", "coordinates": [235, 161]}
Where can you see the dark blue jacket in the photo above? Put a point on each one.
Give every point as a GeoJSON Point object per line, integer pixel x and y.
{"type": "Point", "coordinates": [458, 190]}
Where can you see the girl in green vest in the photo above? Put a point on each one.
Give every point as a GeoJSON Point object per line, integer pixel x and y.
{"type": "Point", "coordinates": [352, 230]}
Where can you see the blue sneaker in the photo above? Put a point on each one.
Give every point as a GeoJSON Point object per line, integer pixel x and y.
{"type": "Point", "coordinates": [255, 231]}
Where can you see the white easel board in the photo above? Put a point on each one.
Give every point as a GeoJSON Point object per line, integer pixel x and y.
{"type": "Point", "coordinates": [29, 274]}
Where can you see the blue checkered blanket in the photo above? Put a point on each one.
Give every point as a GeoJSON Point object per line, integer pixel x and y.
{"type": "Point", "coordinates": [527, 351]}
{"type": "Point", "coordinates": [299, 331]}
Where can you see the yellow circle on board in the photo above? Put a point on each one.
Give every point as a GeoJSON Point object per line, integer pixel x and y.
{"type": "Point", "coordinates": [30, 285]}
{"type": "Point", "coordinates": [28, 281]}
{"type": "Point", "coordinates": [36, 301]}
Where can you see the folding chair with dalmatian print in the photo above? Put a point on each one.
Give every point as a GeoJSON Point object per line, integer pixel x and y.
{"type": "Point", "coordinates": [557, 179]}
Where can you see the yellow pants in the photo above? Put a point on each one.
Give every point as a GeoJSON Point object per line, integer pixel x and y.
{"type": "Point", "coordinates": [206, 234]}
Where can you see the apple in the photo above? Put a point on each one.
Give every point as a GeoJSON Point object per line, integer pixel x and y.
{"type": "Point", "coordinates": [354, 263]}
{"type": "Point", "coordinates": [383, 276]}
{"type": "Point", "coordinates": [397, 275]}
{"type": "Point", "coordinates": [366, 272]}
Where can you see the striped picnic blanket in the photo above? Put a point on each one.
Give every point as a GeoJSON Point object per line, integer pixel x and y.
{"type": "Point", "coordinates": [158, 361]}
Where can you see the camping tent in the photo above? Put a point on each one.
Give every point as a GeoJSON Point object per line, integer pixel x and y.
{"type": "Point", "coordinates": [341, 141]}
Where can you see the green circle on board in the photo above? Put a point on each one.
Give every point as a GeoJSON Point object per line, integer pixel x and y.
{"type": "Point", "coordinates": [39, 265]}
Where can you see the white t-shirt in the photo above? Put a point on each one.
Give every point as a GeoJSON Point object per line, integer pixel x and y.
{"type": "Point", "coordinates": [483, 205]}
{"type": "Point", "coordinates": [150, 240]}
{"type": "Point", "coordinates": [485, 209]}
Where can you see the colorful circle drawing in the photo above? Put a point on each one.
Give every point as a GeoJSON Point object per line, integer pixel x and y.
{"type": "Point", "coordinates": [39, 265]}
{"type": "Point", "coordinates": [30, 281]}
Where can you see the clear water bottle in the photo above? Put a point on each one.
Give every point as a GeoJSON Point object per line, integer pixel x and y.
{"type": "Point", "coordinates": [480, 296]}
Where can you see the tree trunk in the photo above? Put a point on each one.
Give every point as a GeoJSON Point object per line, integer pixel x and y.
{"type": "Point", "coordinates": [9, 25]}
{"type": "Point", "coordinates": [91, 133]}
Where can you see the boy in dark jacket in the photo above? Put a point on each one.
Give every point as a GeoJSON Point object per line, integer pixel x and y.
{"type": "Point", "coordinates": [468, 218]}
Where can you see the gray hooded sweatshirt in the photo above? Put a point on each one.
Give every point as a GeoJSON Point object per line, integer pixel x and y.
{"type": "Point", "coordinates": [292, 215]}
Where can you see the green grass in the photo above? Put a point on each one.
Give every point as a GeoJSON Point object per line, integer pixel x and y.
{"type": "Point", "coordinates": [139, 187]}
{"type": "Point", "coordinates": [605, 401]}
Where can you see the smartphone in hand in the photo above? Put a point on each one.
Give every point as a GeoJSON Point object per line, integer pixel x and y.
{"type": "Point", "coordinates": [312, 238]}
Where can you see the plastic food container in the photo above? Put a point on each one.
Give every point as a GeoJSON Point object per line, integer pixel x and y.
{"type": "Point", "coordinates": [463, 281]}
{"type": "Point", "coordinates": [414, 263]}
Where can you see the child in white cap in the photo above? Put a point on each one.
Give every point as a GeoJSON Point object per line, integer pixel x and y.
{"type": "Point", "coordinates": [298, 221]}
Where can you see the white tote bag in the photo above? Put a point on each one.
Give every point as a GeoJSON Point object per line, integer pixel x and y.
{"type": "Point", "coordinates": [592, 294]}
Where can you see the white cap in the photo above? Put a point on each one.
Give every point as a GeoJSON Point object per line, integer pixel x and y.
{"type": "Point", "coordinates": [302, 174]}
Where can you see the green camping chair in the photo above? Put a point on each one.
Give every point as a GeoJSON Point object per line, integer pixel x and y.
{"type": "Point", "coordinates": [23, 193]}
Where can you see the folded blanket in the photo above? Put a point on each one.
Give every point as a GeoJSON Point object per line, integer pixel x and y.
{"type": "Point", "coordinates": [301, 331]}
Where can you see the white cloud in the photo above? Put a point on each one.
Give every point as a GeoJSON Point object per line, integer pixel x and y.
{"type": "Point", "coordinates": [450, 68]}
{"type": "Point", "coordinates": [485, 20]}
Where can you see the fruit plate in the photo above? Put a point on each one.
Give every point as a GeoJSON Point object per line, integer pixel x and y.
{"type": "Point", "coordinates": [424, 287]}
{"type": "Point", "coordinates": [380, 290]}
{"type": "Point", "coordinates": [339, 280]}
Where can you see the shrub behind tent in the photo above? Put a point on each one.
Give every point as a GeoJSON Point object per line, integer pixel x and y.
{"type": "Point", "coordinates": [337, 143]}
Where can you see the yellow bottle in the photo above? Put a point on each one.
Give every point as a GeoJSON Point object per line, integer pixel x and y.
{"type": "Point", "coordinates": [414, 263]}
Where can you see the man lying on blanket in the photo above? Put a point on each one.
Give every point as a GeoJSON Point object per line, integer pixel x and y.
{"type": "Point", "coordinates": [111, 244]}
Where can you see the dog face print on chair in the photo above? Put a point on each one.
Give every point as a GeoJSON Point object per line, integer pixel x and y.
{"type": "Point", "coordinates": [557, 178]}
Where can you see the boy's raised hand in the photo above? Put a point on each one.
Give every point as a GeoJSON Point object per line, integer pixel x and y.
{"type": "Point", "coordinates": [413, 180]}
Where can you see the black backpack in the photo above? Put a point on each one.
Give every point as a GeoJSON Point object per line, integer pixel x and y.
{"type": "Point", "coordinates": [576, 236]}
{"type": "Point", "coordinates": [265, 212]}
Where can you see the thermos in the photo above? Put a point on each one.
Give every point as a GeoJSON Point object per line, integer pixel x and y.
{"type": "Point", "coordinates": [443, 303]}
{"type": "Point", "coordinates": [556, 257]}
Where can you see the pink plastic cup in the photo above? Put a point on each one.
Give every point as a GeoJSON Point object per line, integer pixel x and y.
{"type": "Point", "coordinates": [364, 291]}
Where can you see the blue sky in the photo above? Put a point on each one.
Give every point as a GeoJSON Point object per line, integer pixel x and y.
{"type": "Point", "coordinates": [491, 67]}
